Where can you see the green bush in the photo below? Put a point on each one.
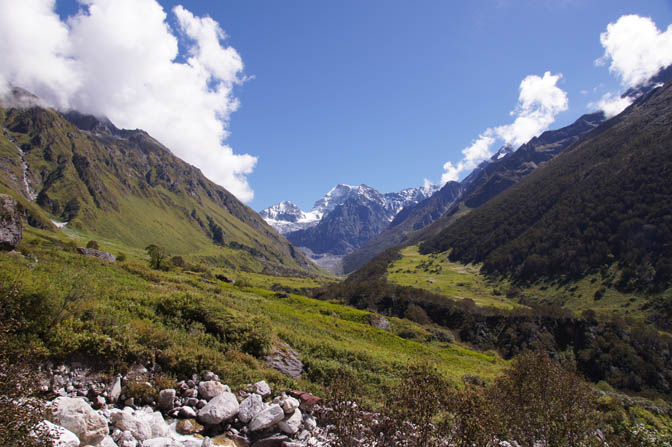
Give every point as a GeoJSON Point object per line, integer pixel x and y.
{"type": "Point", "coordinates": [93, 244]}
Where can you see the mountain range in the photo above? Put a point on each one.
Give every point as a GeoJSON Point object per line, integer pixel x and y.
{"type": "Point", "coordinates": [342, 220]}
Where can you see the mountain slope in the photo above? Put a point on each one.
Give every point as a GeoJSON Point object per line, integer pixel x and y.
{"type": "Point", "coordinates": [124, 185]}
{"type": "Point", "coordinates": [345, 228]}
{"type": "Point", "coordinates": [411, 218]}
{"type": "Point", "coordinates": [488, 180]}
{"type": "Point", "coordinates": [606, 200]}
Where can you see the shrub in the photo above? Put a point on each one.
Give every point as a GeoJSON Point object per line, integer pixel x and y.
{"type": "Point", "coordinates": [20, 411]}
{"type": "Point", "coordinates": [417, 314]}
{"type": "Point", "coordinates": [538, 400]}
{"type": "Point", "coordinates": [93, 245]}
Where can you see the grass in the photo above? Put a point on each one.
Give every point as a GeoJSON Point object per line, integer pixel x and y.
{"type": "Point", "coordinates": [436, 273]}
{"type": "Point", "coordinates": [189, 321]}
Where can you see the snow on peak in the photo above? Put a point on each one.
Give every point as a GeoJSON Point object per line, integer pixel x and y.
{"type": "Point", "coordinates": [286, 217]}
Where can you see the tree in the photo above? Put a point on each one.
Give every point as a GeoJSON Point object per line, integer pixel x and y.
{"type": "Point", "coordinates": [157, 256]}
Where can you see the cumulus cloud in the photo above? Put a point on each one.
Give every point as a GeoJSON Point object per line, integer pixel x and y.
{"type": "Point", "coordinates": [635, 49]}
{"type": "Point", "coordinates": [120, 59]}
{"type": "Point", "coordinates": [539, 101]}
{"type": "Point", "coordinates": [611, 104]}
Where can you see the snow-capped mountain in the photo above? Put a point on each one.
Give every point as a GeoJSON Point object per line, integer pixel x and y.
{"type": "Point", "coordinates": [286, 217]}
{"type": "Point", "coordinates": [341, 221]}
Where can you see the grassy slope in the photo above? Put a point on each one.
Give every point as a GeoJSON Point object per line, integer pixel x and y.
{"type": "Point", "coordinates": [436, 273]}
{"type": "Point", "coordinates": [85, 301]}
{"type": "Point", "coordinates": [134, 190]}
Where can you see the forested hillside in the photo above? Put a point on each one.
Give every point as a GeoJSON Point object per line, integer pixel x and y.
{"type": "Point", "coordinates": [607, 200]}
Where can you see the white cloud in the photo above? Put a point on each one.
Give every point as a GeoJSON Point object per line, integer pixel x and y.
{"type": "Point", "coordinates": [539, 101]}
{"type": "Point", "coordinates": [118, 58]}
{"type": "Point", "coordinates": [611, 104]}
{"type": "Point", "coordinates": [635, 49]}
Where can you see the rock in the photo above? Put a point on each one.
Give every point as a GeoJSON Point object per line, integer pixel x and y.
{"type": "Point", "coordinates": [62, 436]}
{"type": "Point", "coordinates": [289, 404]}
{"type": "Point", "coordinates": [267, 418]}
{"type": "Point", "coordinates": [291, 424]}
{"type": "Point", "coordinates": [308, 401]}
{"type": "Point", "coordinates": [221, 408]}
{"type": "Point", "coordinates": [11, 228]}
{"type": "Point", "coordinates": [209, 389]}
{"type": "Point", "coordinates": [209, 375]}
{"type": "Point", "coordinates": [286, 360]}
{"type": "Point", "coordinates": [188, 427]}
{"type": "Point", "coordinates": [127, 440]}
{"type": "Point", "coordinates": [225, 279]}
{"type": "Point", "coordinates": [161, 442]}
{"type": "Point", "coordinates": [77, 416]}
{"type": "Point", "coordinates": [271, 441]}
{"type": "Point", "coordinates": [115, 391]}
{"type": "Point", "coordinates": [107, 442]}
{"type": "Point", "coordinates": [379, 321]}
{"type": "Point", "coordinates": [309, 422]}
{"type": "Point", "coordinates": [250, 407]}
{"type": "Point", "coordinates": [158, 425]}
{"type": "Point", "coordinates": [187, 413]}
{"type": "Point", "coordinates": [105, 256]}
{"type": "Point", "coordinates": [223, 440]}
{"type": "Point", "coordinates": [141, 430]}
{"type": "Point", "coordinates": [293, 444]}
{"type": "Point", "coordinates": [262, 388]}
{"type": "Point", "coordinates": [166, 399]}
{"type": "Point", "coordinates": [98, 402]}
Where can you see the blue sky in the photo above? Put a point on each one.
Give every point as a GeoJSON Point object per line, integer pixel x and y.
{"type": "Point", "coordinates": [384, 92]}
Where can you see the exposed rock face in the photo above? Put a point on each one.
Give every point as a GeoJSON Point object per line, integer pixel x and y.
{"type": "Point", "coordinates": [97, 254]}
{"type": "Point", "coordinates": [11, 229]}
{"type": "Point", "coordinates": [286, 360]}
{"type": "Point", "coordinates": [77, 416]}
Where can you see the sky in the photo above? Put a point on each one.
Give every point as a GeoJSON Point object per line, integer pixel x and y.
{"type": "Point", "coordinates": [283, 100]}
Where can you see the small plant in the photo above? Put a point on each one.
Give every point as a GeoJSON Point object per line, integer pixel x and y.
{"type": "Point", "coordinates": [93, 245]}
{"type": "Point", "coordinates": [140, 391]}
{"type": "Point", "coordinates": [121, 257]}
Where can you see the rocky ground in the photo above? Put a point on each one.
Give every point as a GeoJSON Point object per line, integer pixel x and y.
{"type": "Point", "coordinates": [198, 412]}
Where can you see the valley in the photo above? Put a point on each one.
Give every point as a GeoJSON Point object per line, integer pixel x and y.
{"type": "Point", "coordinates": [526, 301]}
